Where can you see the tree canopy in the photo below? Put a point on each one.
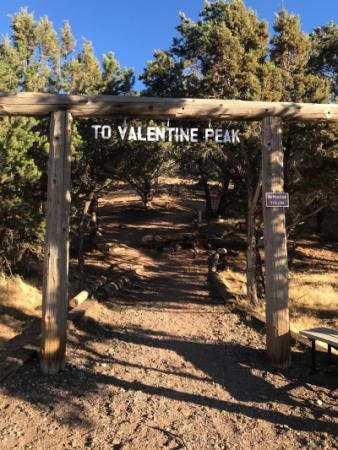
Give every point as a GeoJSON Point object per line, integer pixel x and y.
{"type": "Point", "coordinates": [227, 53]}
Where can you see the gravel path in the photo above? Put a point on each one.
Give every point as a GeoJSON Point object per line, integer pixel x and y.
{"type": "Point", "coordinates": [166, 365]}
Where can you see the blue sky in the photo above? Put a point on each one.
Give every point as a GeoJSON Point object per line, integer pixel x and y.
{"type": "Point", "coordinates": [134, 28]}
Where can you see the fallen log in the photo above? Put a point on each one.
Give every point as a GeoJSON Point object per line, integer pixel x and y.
{"type": "Point", "coordinates": [215, 243]}
{"type": "Point", "coordinates": [23, 347]}
{"type": "Point", "coordinates": [216, 258]}
{"type": "Point", "coordinates": [83, 295]}
{"type": "Point", "coordinates": [113, 286]}
{"type": "Point", "coordinates": [170, 240]}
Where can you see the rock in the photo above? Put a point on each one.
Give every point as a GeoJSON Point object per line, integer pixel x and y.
{"type": "Point", "coordinates": [282, 428]}
{"type": "Point", "coordinates": [147, 239]}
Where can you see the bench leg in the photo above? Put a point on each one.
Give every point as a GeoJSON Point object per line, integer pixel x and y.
{"type": "Point", "coordinates": [313, 342]}
{"type": "Point", "coordinates": [329, 359]}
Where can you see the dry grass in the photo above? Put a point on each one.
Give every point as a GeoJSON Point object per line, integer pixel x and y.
{"type": "Point", "coordinates": [20, 302]}
{"type": "Point", "coordinates": [313, 297]}
{"type": "Point", "coordinates": [235, 282]}
{"type": "Point", "coordinates": [19, 294]}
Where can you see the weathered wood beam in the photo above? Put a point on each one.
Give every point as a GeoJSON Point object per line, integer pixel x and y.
{"type": "Point", "coordinates": [276, 261]}
{"type": "Point", "coordinates": [55, 276]}
{"type": "Point", "coordinates": [26, 103]}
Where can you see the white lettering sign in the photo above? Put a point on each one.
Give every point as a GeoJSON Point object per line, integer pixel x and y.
{"type": "Point", "coordinates": [168, 134]}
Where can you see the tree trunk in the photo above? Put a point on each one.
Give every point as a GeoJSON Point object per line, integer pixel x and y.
{"type": "Point", "coordinates": [251, 260]}
{"type": "Point", "coordinates": [223, 201]}
{"type": "Point", "coordinates": [260, 269]}
{"type": "Point", "coordinates": [82, 230]}
{"type": "Point", "coordinates": [208, 203]}
{"type": "Point", "coordinates": [251, 253]}
{"type": "Point", "coordinates": [145, 197]}
{"type": "Point", "coordinates": [93, 223]}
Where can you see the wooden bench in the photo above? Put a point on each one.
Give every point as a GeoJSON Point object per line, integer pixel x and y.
{"type": "Point", "coordinates": [326, 335]}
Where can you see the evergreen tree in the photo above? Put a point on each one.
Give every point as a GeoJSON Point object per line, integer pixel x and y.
{"type": "Point", "coordinates": [225, 54]}
{"type": "Point", "coordinates": [68, 42]}
{"type": "Point", "coordinates": [9, 67]}
{"type": "Point", "coordinates": [34, 58]}
{"type": "Point", "coordinates": [165, 76]}
{"type": "Point", "coordinates": [84, 75]}
{"type": "Point", "coordinates": [310, 149]}
{"type": "Point", "coordinates": [116, 81]}
{"type": "Point", "coordinates": [141, 163]}
{"type": "Point", "coordinates": [23, 153]}
{"type": "Point", "coordinates": [21, 206]}
{"type": "Point", "coordinates": [222, 55]}
{"type": "Point", "coordinates": [324, 53]}
{"type": "Point", "coordinates": [290, 52]}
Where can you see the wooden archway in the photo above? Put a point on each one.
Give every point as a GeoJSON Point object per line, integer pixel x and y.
{"type": "Point", "coordinates": [63, 107]}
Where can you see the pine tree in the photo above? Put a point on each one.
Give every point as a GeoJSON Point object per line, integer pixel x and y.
{"type": "Point", "coordinates": [324, 53]}
{"type": "Point", "coordinates": [222, 55]}
{"type": "Point", "coordinates": [9, 67]}
{"type": "Point", "coordinates": [83, 74]}
{"type": "Point", "coordinates": [310, 149]}
{"type": "Point", "coordinates": [34, 58]}
{"type": "Point", "coordinates": [21, 206]}
{"type": "Point", "coordinates": [290, 52]}
{"type": "Point", "coordinates": [68, 42]}
{"type": "Point", "coordinates": [165, 76]}
{"type": "Point", "coordinates": [116, 81]}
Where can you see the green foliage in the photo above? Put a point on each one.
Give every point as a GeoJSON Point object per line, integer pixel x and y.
{"type": "Point", "coordinates": [290, 46]}
{"type": "Point", "coordinates": [9, 67]}
{"type": "Point", "coordinates": [35, 58]}
{"type": "Point", "coordinates": [290, 52]}
{"type": "Point", "coordinates": [164, 77]}
{"type": "Point", "coordinates": [116, 81]}
{"type": "Point", "coordinates": [225, 54]}
{"type": "Point", "coordinates": [21, 207]}
{"type": "Point", "coordinates": [324, 53]}
{"type": "Point", "coordinates": [68, 42]}
{"type": "Point", "coordinates": [222, 55]}
{"type": "Point", "coordinates": [215, 49]}
{"type": "Point", "coordinates": [311, 169]}
{"type": "Point", "coordinates": [83, 73]}
{"type": "Point", "coordinates": [311, 150]}
{"type": "Point", "coordinates": [141, 163]}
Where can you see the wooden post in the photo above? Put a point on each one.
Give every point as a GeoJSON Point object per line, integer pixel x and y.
{"type": "Point", "coordinates": [55, 276]}
{"type": "Point", "coordinates": [276, 262]}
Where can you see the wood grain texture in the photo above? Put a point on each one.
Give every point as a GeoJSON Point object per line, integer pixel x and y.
{"type": "Point", "coordinates": [276, 261]}
{"type": "Point", "coordinates": [55, 277]}
{"type": "Point", "coordinates": [28, 103]}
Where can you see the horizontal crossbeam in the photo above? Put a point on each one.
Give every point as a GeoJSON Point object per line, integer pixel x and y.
{"type": "Point", "coordinates": [35, 104]}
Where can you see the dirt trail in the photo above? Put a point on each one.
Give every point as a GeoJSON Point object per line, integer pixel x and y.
{"type": "Point", "coordinates": [166, 365]}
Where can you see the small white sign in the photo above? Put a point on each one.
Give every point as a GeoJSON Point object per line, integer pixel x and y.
{"type": "Point", "coordinates": [276, 199]}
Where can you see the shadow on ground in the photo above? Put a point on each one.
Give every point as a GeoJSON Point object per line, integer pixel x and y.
{"type": "Point", "coordinates": [228, 364]}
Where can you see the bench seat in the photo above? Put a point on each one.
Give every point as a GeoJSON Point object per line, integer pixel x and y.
{"type": "Point", "coordinates": [326, 335]}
